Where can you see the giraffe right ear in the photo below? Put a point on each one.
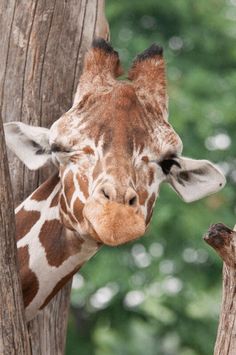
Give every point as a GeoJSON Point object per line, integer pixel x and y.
{"type": "Point", "coordinates": [30, 144]}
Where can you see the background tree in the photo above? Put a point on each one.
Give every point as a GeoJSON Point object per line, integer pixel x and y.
{"type": "Point", "coordinates": [161, 294]}
{"type": "Point", "coordinates": [41, 51]}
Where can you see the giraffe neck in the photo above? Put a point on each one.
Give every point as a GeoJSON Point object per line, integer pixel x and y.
{"type": "Point", "coordinates": [48, 254]}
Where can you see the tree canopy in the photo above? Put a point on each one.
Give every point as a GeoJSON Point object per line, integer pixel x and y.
{"type": "Point", "coordinates": [161, 294]}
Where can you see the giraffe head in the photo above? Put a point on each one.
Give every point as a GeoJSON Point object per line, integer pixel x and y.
{"type": "Point", "coordinates": [114, 148]}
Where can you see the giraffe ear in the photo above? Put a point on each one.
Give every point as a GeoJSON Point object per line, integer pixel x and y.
{"type": "Point", "coordinates": [194, 179]}
{"type": "Point", "coordinates": [30, 144]}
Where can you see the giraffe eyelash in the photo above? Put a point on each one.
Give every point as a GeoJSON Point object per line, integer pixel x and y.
{"type": "Point", "coordinates": [56, 148]}
{"type": "Point", "coordinates": [167, 164]}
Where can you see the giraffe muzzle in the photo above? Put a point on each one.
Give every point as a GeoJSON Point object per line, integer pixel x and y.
{"type": "Point", "coordinates": [112, 223]}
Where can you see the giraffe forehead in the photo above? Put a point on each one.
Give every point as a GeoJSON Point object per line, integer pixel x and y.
{"type": "Point", "coordinates": [113, 120]}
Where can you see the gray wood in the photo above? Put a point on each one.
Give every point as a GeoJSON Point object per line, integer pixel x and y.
{"type": "Point", "coordinates": [41, 52]}
{"type": "Point", "coordinates": [13, 330]}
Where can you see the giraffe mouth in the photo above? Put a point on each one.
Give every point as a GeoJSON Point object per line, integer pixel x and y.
{"type": "Point", "coordinates": [113, 224]}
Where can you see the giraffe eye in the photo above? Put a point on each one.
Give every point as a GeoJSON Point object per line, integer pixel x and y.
{"type": "Point", "coordinates": [167, 164]}
{"type": "Point", "coordinates": [56, 148]}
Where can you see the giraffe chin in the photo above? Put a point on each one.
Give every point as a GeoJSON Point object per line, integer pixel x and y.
{"type": "Point", "coordinates": [112, 223]}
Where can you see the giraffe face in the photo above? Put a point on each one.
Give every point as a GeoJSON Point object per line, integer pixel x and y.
{"type": "Point", "coordinates": [114, 148]}
{"type": "Point", "coordinates": [110, 160]}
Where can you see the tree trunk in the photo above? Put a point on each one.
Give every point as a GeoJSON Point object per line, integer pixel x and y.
{"type": "Point", "coordinates": [223, 240]}
{"type": "Point", "coordinates": [13, 330]}
{"type": "Point", "coordinates": [41, 51]}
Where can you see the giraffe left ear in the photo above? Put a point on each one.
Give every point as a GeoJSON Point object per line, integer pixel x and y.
{"type": "Point", "coordinates": [30, 144]}
{"type": "Point", "coordinates": [194, 179]}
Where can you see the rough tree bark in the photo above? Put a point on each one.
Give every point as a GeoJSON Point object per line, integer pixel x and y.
{"type": "Point", "coordinates": [13, 330]}
{"type": "Point", "coordinates": [41, 51]}
{"type": "Point", "coordinates": [223, 240]}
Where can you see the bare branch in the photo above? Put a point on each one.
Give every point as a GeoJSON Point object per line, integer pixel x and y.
{"type": "Point", "coordinates": [223, 240]}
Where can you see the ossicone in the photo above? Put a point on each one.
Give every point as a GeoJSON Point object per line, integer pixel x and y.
{"type": "Point", "coordinates": [149, 59]}
{"type": "Point", "coordinates": [104, 45]}
{"type": "Point", "coordinates": [148, 76]}
{"type": "Point", "coordinates": [153, 51]}
{"type": "Point", "coordinates": [100, 70]}
{"type": "Point", "coordinates": [102, 59]}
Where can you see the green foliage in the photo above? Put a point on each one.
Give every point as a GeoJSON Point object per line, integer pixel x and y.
{"type": "Point", "coordinates": [161, 294]}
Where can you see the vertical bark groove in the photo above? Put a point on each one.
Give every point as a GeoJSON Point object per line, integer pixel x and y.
{"type": "Point", "coordinates": [8, 48]}
{"type": "Point", "coordinates": [79, 47]}
{"type": "Point", "coordinates": [26, 57]}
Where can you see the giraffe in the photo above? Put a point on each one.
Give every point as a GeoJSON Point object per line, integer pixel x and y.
{"type": "Point", "coordinates": [112, 150]}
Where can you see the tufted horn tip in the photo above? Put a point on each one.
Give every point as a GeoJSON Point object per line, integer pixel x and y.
{"type": "Point", "coordinates": [152, 51]}
{"type": "Point", "coordinates": [104, 45]}
{"type": "Point", "coordinates": [148, 76]}
{"type": "Point", "coordinates": [102, 59]}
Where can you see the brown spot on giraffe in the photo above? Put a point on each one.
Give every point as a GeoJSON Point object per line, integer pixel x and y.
{"type": "Point", "coordinates": [69, 187]}
{"type": "Point", "coordinates": [45, 190]}
{"type": "Point", "coordinates": [57, 245]}
{"type": "Point", "coordinates": [150, 177]}
{"type": "Point", "coordinates": [55, 200]}
{"type": "Point", "coordinates": [150, 204]}
{"type": "Point", "coordinates": [63, 204]}
{"type": "Point", "coordinates": [83, 184]}
{"type": "Point", "coordinates": [25, 220]}
{"type": "Point", "coordinates": [88, 150]}
{"type": "Point", "coordinates": [77, 209]}
{"type": "Point", "coordinates": [29, 280]}
{"type": "Point", "coordinates": [143, 195]}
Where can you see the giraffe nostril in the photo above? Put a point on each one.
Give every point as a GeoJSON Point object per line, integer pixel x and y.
{"type": "Point", "coordinates": [110, 193]}
{"type": "Point", "coordinates": [105, 194]}
{"type": "Point", "coordinates": [131, 197]}
{"type": "Point", "coordinates": [133, 201]}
